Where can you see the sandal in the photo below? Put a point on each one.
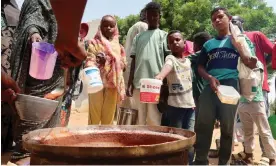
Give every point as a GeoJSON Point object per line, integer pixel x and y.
{"type": "Point", "coordinates": [242, 158]}
{"type": "Point", "coordinates": [239, 156]}
{"type": "Point", "coordinates": [264, 161]}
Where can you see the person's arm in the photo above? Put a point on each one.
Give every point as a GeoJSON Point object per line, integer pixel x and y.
{"type": "Point", "coordinates": [95, 55]}
{"type": "Point", "coordinates": [166, 69]}
{"type": "Point", "coordinates": [201, 63]}
{"type": "Point", "coordinates": [9, 88]}
{"type": "Point", "coordinates": [166, 49]}
{"type": "Point", "coordinates": [123, 59]}
{"type": "Point", "coordinates": [266, 45]}
{"type": "Point", "coordinates": [249, 61]}
{"type": "Point", "coordinates": [68, 15]}
{"type": "Point", "coordinates": [130, 86]}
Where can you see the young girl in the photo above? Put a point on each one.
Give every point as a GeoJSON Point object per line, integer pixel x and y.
{"type": "Point", "coordinates": [105, 52]}
{"type": "Point", "coordinates": [177, 69]}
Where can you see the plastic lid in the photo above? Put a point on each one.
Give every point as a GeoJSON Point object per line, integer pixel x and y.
{"type": "Point", "coordinates": [228, 91]}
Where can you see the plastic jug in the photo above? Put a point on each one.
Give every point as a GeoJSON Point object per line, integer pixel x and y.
{"type": "Point", "coordinates": [93, 79]}
{"type": "Point", "coordinates": [43, 60]}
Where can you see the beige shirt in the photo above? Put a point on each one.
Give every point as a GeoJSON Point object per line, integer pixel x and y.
{"type": "Point", "coordinates": [180, 83]}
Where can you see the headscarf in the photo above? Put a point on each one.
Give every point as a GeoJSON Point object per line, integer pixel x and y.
{"type": "Point", "coordinates": [112, 71]}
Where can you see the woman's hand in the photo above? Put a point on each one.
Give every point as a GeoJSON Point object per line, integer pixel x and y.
{"type": "Point", "coordinates": [52, 96]}
{"type": "Point", "coordinates": [35, 37]}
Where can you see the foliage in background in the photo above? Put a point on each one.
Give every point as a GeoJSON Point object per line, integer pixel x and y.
{"type": "Point", "coordinates": [192, 16]}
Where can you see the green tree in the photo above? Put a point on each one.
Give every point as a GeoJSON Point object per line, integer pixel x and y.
{"type": "Point", "coordinates": [192, 16]}
{"type": "Point", "coordinates": [125, 24]}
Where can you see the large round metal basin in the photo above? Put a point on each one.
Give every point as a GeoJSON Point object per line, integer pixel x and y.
{"type": "Point", "coordinates": [109, 145]}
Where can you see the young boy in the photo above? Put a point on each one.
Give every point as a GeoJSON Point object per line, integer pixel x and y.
{"type": "Point", "coordinates": [177, 69]}
{"type": "Point", "coordinates": [148, 54]}
{"type": "Point", "coordinates": [252, 112]}
{"type": "Point", "coordinates": [199, 39]}
{"type": "Point", "coordinates": [217, 64]}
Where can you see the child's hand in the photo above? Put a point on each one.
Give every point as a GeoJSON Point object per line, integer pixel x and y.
{"type": "Point", "coordinates": [214, 83]}
{"type": "Point", "coordinates": [130, 89]}
{"type": "Point", "coordinates": [100, 59]}
{"type": "Point", "coordinates": [158, 77]}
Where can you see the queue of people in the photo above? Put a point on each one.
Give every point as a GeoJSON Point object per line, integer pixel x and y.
{"type": "Point", "coordinates": [195, 75]}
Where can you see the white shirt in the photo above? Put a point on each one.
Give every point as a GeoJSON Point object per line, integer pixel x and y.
{"type": "Point", "coordinates": [180, 83]}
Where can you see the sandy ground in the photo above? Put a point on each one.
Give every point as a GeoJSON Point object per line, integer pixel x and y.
{"type": "Point", "coordinates": [79, 117]}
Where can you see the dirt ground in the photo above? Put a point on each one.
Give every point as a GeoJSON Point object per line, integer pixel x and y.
{"type": "Point", "coordinates": [79, 117]}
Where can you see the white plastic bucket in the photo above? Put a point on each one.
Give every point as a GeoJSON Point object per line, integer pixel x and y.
{"type": "Point", "coordinates": [150, 90]}
{"type": "Point", "coordinates": [228, 95]}
{"type": "Point", "coordinates": [93, 79]}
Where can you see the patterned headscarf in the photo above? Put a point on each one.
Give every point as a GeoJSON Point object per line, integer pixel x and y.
{"type": "Point", "coordinates": [112, 71]}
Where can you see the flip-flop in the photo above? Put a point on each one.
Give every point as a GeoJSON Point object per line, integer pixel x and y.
{"type": "Point", "coordinates": [264, 161]}
{"type": "Point", "coordinates": [239, 156]}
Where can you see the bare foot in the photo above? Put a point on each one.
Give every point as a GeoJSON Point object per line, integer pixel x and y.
{"type": "Point", "coordinates": [24, 161]}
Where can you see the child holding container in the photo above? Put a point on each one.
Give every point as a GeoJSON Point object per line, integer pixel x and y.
{"type": "Point", "coordinates": [178, 71]}
{"type": "Point", "coordinates": [105, 53]}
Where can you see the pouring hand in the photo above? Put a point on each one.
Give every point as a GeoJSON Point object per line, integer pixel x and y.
{"type": "Point", "coordinates": [71, 54]}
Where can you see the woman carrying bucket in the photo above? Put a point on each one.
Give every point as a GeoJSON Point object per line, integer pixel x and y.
{"type": "Point", "coordinates": [106, 55]}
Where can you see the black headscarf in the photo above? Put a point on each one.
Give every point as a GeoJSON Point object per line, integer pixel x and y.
{"type": "Point", "coordinates": [36, 17]}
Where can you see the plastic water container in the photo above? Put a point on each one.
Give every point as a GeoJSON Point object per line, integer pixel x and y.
{"type": "Point", "coordinates": [228, 95]}
{"type": "Point", "coordinates": [43, 60]}
{"type": "Point", "coordinates": [92, 77]}
{"type": "Point", "coordinates": [150, 90]}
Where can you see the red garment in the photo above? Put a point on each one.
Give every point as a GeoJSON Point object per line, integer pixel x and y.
{"type": "Point", "coordinates": [188, 49]}
{"type": "Point", "coordinates": [262, 46]}
{"type": "Point", "coordinates": [274, 57]}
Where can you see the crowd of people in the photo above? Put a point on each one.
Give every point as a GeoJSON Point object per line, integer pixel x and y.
{"type": "Point", "coordinates": [191, 73]}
